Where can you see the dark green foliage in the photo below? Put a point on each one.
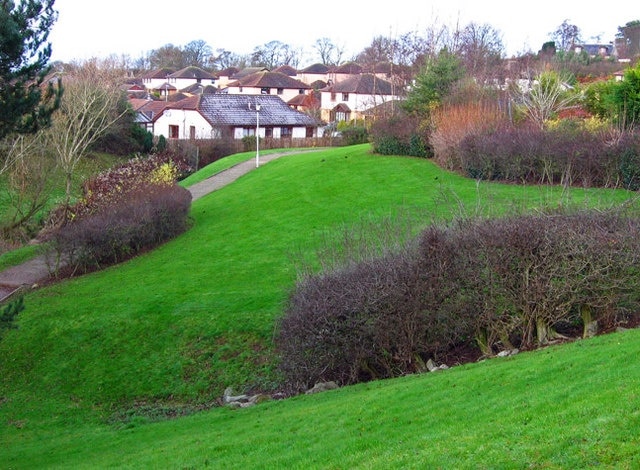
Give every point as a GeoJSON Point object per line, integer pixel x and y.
{"type": "Point", "coordinates": [161, 145]}
{"type": "Point", "coordinates": [26, 102]}
{"type": "Point", "coordinates": [354, 135]}
{"type": "Point", "coordinates": [9, 312]}
{"type": "Point", "coordinates": [400, 134]}
{"type": "Point", "coordinates": [630, 169]}
{"type": "Point", "coordinates": [435, 82]}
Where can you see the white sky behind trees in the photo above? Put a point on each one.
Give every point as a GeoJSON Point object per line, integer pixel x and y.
{"type": "Point", "coordinates": [87, 28]}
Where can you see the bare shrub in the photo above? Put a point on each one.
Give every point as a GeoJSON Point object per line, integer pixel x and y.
{"type": "Point", "coordinates": [147, 217]}
{"type": "Point", "coordinates": [453, 122]}
{"type": "Point", "coordinates": [484, 283]}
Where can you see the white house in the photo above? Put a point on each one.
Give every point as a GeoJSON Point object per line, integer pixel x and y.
{"type": "Point", "coordinates": [220, 115]}
{"type": "Point", "coordinates": [268, 83]}
{"type": "Point", "coordinates": [348, 99]}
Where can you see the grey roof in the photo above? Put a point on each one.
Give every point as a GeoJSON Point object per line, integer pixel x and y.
{"type": "Point", "coordinates": [365, 84]}
{"type": "Point", "coordinates": [192, 72]}
{"type": "Point", "coordinates": [239, 110]}
{"type": "Point", "coordinates": [316, 69]}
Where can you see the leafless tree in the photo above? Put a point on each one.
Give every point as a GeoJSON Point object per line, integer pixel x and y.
{"type": "Point", "coordinates": [566, 36]}
{"type": "Point", "coordinates": [89, 108]}
{"type": "Point", "coordinates": [197, 53]}
{"type": "Point", "coordinates": [274, 54]}
{"type": "Point", "coordinates": [481, 49]}
{"type": "Point", "coordinates": [329, 52]}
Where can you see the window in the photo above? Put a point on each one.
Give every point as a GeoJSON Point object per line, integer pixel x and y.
{"type": "Point", "coordinates": [192, 132]}
{"type": "Point", "coordinates": [309, 132]}
{"type": "Point", "coordinates": [345, 97]}
{"type": "Point", "coordinates": [286, 132]}
{"type": "Point", "coordinates": [301, 91]}
{"type": "Point", "coordinates": [174, 132]}
{"type": "Point", "coordinates": [333, 96]}
{"type": "Point", "coordinates": [265, 91]}
{"type": "Point", "coordinates": [268, 131]}
{"type": "Point", "coordinates": [240, 89]}
{"type": "Point", "coordinates": [280, 91]}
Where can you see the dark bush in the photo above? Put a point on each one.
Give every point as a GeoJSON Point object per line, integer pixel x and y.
{"type": "Point", "coordinates": [353, 135]}
{"type": "Point", "coordinates": [566, 155]}
{"type": "Point", "coordinates": [144, 219]}
{"type": "Point", "coordinates": [400, 134]}
{"type": "Point", "coordinates": [485, 284]}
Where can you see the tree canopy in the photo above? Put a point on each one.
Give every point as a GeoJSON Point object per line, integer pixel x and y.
{"type": "Point", "coordinates": [26, 102]}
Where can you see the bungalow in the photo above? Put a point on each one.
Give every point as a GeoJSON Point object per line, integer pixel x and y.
{"type": "Point", "coordinates": [348, 99]}
{"type": "Point", "coordinates": [268, 83]}
{"type": "Point", "coordinates": [209, 116]}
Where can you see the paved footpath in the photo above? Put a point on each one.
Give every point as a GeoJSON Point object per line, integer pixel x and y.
{"type": "Point", "coordinates": [37, 269]}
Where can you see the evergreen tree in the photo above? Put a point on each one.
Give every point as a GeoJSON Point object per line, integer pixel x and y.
{"type": "Point", "coordinates": [26, 102]}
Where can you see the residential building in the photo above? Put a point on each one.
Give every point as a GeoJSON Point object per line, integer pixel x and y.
{"type": "Point", "coordinates": [220, 115]}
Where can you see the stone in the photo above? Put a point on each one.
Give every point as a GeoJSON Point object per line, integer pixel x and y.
{"type": "Point", "coordinates": [322, 387]}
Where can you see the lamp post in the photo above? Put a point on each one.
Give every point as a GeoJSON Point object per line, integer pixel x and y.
{"type": "Point", "coordinates": [257, 135]}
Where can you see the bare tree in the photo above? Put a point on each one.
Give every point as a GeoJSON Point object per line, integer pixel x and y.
{"type": "Point", "coordinates": [566, 36]}
{"type": "Point", "coordinates": [89, 108]}
{"type": "Point", "coordinates": [329, 52]}
{"type": "Point", "coordinates": [274, 54]}
{"type": "Point", "coordinates": [481, 49]}
{"type": "Point", "coordinates": [169, 56]}
{"type": "Point", "coordinates": [197, 53]}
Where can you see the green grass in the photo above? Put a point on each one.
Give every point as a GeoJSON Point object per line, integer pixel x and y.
{"type": "Point", "coordinates": [575, 406]}
{"type": "Point", "coordinates": [168, 331]}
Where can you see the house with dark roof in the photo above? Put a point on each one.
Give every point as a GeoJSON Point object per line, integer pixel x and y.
{"type": "Point", "coordinates": [348, 99]}
{"type": "Point", "coordinates": [154, 79]}
{"type": "Point", "coordinates": [268, 83]}
{"type": "Point", "coordinates": [191, 75]}
{"type": "Point", "coordinates": [314, 73]}
{"type": "Point", "coordinates": [218, 115]}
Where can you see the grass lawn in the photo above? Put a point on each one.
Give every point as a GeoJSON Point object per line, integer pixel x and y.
{"type": "Point", "coordinates": [96, 359]}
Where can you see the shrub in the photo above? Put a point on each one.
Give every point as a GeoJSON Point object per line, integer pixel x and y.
{"type": "Point", "coordinates": [565, 154]}
{"type": "Point", "coordinates": [400, 134]}
{"type": "Point", "coordinates": [148, 216]}
{"type": "Point", "coordinates": [483, 284]}
{"type": "Point", "coordinates": [353, 135]}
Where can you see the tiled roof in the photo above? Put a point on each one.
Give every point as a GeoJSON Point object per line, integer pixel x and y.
{"type": "Point", "coordinates": [159, 73]}
{"type": "Point", "coordinates": [365, 84]}
{"type": "Point", "coordinates": [349, 67]}
{"type": "Point", "coordinates": [247, 71]}
{"type": "Point", "coordinates": [287, 70]}
{"type": "Point", "coordinates": [228, 72]}
{"type": "Point", "coordinates": [150, 108]}
{"type": "Point", "coordinates": [316, 69]}
{"type": "Point", "coordinates": [239, 110]}
{"type": "Point", "coordinates": [192, 73]}
{"type": "Point", "coordinates": [270, 80]}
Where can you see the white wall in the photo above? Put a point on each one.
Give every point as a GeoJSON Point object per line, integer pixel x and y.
{"type": "Point", "coordinates": [184, 119]}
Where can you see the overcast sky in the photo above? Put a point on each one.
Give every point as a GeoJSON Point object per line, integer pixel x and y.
{"type": "Point", "coordinates": [86, 28]}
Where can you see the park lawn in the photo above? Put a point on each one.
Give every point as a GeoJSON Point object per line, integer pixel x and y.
{"type": "Point", "coordinates": [165, 333]}
{"type": "Point", "coordinates": [570, 406]}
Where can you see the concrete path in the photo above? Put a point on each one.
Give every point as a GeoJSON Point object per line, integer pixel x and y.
{"type": "Point", "coordinates": [37, 270]}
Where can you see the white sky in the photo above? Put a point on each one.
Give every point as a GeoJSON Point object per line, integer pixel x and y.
{"type": "Point", "coordinates": [86, 28]}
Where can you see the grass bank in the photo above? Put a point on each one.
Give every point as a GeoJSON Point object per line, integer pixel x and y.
{"type": "Point", "coordinates": [165, 333]}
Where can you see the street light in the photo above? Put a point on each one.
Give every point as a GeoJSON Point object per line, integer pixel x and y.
{"type": "Point", "coordinates": [257, 135]}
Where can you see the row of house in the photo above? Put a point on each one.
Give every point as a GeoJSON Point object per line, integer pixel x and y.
{"type": "Point", "coordinates": [192, 103]}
